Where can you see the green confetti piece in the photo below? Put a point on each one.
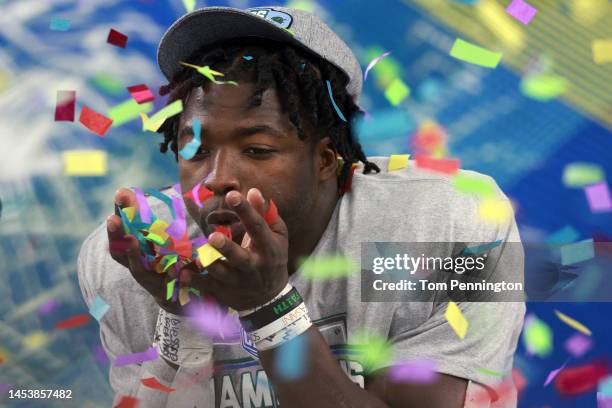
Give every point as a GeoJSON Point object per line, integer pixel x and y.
{"type": "Point", "coordinates": [374, 351]}
{"type": "Point", "coordinates": [327, 267]}
{"type": "Point", "coordinates": [578, 175]}
{"type": "Point", "coordinates": [127, 111]}
{"type": "Point", "coordinates": [472, 185]}
{"type": "Point", "coordinates": [155, 239]}
{"type": "Point", "coordinates": [195, 291]}
{"type": "Point", "coordinates": [489, 372]}
{"type": "Point", "coordinates": [468, 52]}
{"type": "Point", "coordinates": [189, 5]}
{"type": "Point", "coordinates": [537, 336]}
{"type": "Point", "coordinates": [170, 289]}
{"type": "Point", "coordinates": [397, 91]}
{"type": "Point", "coordinates": [171, 259]}
{"type": "Point", "coordinates": [107, 84]}
{"type": "Point", "coordinates": [543, 87]}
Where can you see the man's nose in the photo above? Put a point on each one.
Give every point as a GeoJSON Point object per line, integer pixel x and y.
{"type": "Point", "coordinates": [224, 175]}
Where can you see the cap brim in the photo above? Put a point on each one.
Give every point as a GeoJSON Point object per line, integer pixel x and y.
{"type": "Point", "coordinates": [211, 25]}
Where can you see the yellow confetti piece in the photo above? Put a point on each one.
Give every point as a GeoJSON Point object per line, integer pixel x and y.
{"type": "Point", "coordinates": [208, 254]}
{"type": "Point", "coordinates": [184, 295]}
{"type": "Point", "coordinates": [189, 5]}
{"type": "Point", "coordinates": [602, 51]}
{"type": "Point", "coordinates": [159, 228]}
{"type": "Point", "coordinates": [573, 323]}
{"type": "Point", "coordinates": [397, 91]}
{"type": "Point", "coordinates": [34, 340]}
{"type": "Point", "coordinates": [495, 210]}
{"type": "Point", "coordinates": [85, 163]}
{"type": "Point", "coordinates": [456, 319]}
{"type": "Point", "coordinates": [157, 120]}
{"type": "Point", "coordinates": [544, 87]}
{"type": "Point", "coordinates": [398, 161]}
{"type": "Point", "coordinates": [129, 212]}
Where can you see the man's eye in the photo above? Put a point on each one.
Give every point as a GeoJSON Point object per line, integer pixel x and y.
{"type": "Point", "coordinates": [258, 151]}
{"type": "Point", "coordinates": [202, 152]}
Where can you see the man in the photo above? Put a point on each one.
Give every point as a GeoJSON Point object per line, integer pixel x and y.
{"type": "Point", "coordinates": [276, 91]}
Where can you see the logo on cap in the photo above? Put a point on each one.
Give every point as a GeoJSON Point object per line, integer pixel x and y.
{"type": "Point", "coordinates": [281, 19]}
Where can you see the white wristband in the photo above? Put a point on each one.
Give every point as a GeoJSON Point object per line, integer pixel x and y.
{"type": "Point", "coordinates": [278, 324]}
{"type": "Point", "coordinates": [179, 343]}
{"type": "Point", "coordinates": [286, 334]}
{"type": "Point", "coordinates": [283, 292]}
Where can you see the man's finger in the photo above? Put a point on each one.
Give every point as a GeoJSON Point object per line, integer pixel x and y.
{"type": "Point", "coordinates": [124, 197]}
{"type": "Point", "coordinates": [246, 209]}
{"type": "Point", "coordinates": [237, 257]}
{"type": "Point", "coordinates": [118, 243]}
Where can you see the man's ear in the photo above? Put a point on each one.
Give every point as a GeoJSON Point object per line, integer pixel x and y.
{"type": "Point", "coordinates": [327, 161]}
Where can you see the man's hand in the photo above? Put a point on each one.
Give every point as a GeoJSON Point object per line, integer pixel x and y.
{"type": "Point", "coordinates": [256, 271]}
{"type": "Point", "coordinates": [124, 248]}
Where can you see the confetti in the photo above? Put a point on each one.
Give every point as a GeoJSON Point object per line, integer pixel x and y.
{"type": "Point", "coordinates": [107, 84]}
{"type": "Point", "coordinates": [398, 161]}
{"type": "Point", "coordinates": [117, 38]}
{"type": "Point", "coordinates": [189, 5]}
{"type": "Point", "coordinates": [183, 295]}
{"type": "Point", "coordinates": [605, 386]}
{"type": "Point", "coordinates": [473, 185]}
{"type": "Point", "coordinates": [199, 193]}
{"type": "Point", "coordinates": [489, 372]}
{"type": "Point", "coordinates": [48, 307]}
{"type": "Point", "coordinates": [414, 372]}
{"type": "Point", "coordinates": [445, 166]}
{"type": "Point", "coordinates": [271, 214]}
{"type": "Point", "coordinates": [522, 11]}
{"type": "Point", "coordinates": [211, 320]}
{"type": "Point", "coordinates": [170, 289]}
{"type": "Point", "coordinates": [59, 24]}
{"type": "Point", "coordinates": [190, 149]}
{"type": "Point", "coordinates": [598, 196]}
{"type": "Point", "coordinates": [374, 351]}
{"type": "Point", "coordinates": [537, 336]}
{"type": "Point", "coordinates": [94, 121]}
{"type": "Point", "coordinates": [127, 111]}
{"type": "Point", "coordinates": [98, 308]}
{"type": "Point", "coordinates": [495, 210]}
{"type": "Point", "coordinates": [374, 62]}
{"type": "Point", "coordinates": [157, 120]}
{"type": "Point", "coordinates": [209, 73]}
{"type": "Point", "coordinates": [603, 401]}
{"type": "Point", "coordinates": [136, 358]}
{"type": "Point", "coordinates": [331, 98]}
{"type": "Point", "coordinates": [247, 57]}
{"type": "Point", "coordinates": [327, 267]}
{"type": "Point", "coordinates": [581, 379]}
{"type": "Point", "coordinates": [65, 105]}
{"type": "Point", "coordinates": [84, 162]}
{"type": "Point", "coordinates": [100, 355]}
{"type": "Point", "coordinates": [456, 319]}
{"type": "Point", "coordinates": [290, 363]}
{"type": "Point", "coordinates": [474, 54]}
{"type": "Point", "coordinates": [74, 321]}
{"type": "Point", "coordinates": [396, 92]}
{"type": "Point", "coordinates": [578, 175]}
{"type": "Point", "coordinates": [602, 50]}
{"type": "Point", "coordinates": [141, 93]}
{"type": "Point", "coordinates": [152, 382]}
{"type": "Point", "coordinates": [573, 323]}
{"type": "Point", "coordinates": [564, 235]}
{"type": "Point", "coordinates": [578, 345]}
{"type": "Point", "coordinates": [34, 340]}
{"type": "Point", "coordinates": [577, 252]}
{"type": "Point", "coordinates": [208, 254]}
{"type": "Point", "coordinates": [128, 402]}
{"type": "Point", "coordinates": [543, 87]}
{"type": "Point", "coordinates": [551, 376]}
{"type": "Point", "coordinates": [479, 249]}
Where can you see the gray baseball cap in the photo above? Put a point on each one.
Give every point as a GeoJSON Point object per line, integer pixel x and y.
{"type": "Point", "coordinates": [303, 29]}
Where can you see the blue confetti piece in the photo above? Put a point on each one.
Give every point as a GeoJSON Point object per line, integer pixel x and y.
{"type": "Point", "coordinates": [204, 272]}
{"type": "Point", "coordinates": [98, 308]}
{"type": "Point", "coordinates": [291, 357]}
{"type": "Point", "coordinates": [577, 252]}
{"type": "Point", "coordinates": [163, 198]}
{"type": "Point", "coordinates": [331, 97]}
{"type": "Point", "coordinates": [247, 57]}
{"type": "Point", "coordinates": [481, 248]}
{"type": "Point", "coordinates": [565, 235]}
{"type": "Point", "coordinates": [59, 24]}
{"type": "Point", "coordinates": [191, 148]}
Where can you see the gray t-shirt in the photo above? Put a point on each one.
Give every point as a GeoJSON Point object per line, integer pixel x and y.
{"type": "Point", "coordinates": [407, 205]}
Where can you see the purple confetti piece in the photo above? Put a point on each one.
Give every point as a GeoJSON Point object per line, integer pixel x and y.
{"type": "Point", "coordinates": [195, 193]}
{"type": "Point", "coordinates": [177, 229]}
{"type": "Point", "coordinates": [100, 355]}
{"type": "Point", "coordinates": [374, 62]}
{"type": "Point", "coordinates": [48, 307]}
{"type": "Point", "coordinates": [551, 376]}
{"type": "Point", "coordinates": [143, 206]}
{"type": "Point", "coordinates": [135, 358]}
{"type": "Point", "coordinates": [199, 241]}
{"type": "Point", "coordinates": [522, 11]}
{"type": "Point", "coordinates": [177, 188]}
{"type": "Point", "coordinates": [213, 321]}
{"type": "Point", "coordinates": [578, 345]}
{"type": "Point", "coordinates": [603, 401]}
{"type": "Point", "coordinates": [416, 371]}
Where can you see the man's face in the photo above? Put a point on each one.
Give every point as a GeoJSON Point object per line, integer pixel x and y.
{"type": "Point", "coordinates": [245, 146]}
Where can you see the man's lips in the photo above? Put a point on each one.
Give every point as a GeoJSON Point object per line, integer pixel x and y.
{"type": "Point", "coordinates": [222, 217]}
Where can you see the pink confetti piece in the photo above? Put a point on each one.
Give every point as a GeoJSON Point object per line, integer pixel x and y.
{"type": "Point", "coordinates": [598, 196]}
{"type": "Point", "coordinates": [604, 401]}
{"type": "Point", "coordinates": [48, 307]}
{"type": "Point", "coordinates": [177, 229]}
{"type": "Point", "coordinates": [143, 206]}
{"type": "Point", "coordinates": [374, 62]}
{"type": "Point", "coordinates": [551, 376]}
{"type": "Point", "coordinates": [135, 358]}
{"type": "Point", "coordinates": [417, 372]}
{"type": "Point", "coordinates": [578, 345]}
{"type": "Point", "coordinates": [522, 11]}
{"type": "Point", "coordinates": [141, 93]}
{"type": "Point", "coordinates": [117, 38]}
{"type": "Point", "coordinates": [65, 105]}
{"type": "Point", "coordinates": [213, 321]}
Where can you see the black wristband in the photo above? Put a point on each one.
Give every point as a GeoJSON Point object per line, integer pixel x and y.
{"type": "Point", "coordinates": [271, 312]}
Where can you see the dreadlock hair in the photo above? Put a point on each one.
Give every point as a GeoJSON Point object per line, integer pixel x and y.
{"type": "Point", "coordinates": [300, 81]}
